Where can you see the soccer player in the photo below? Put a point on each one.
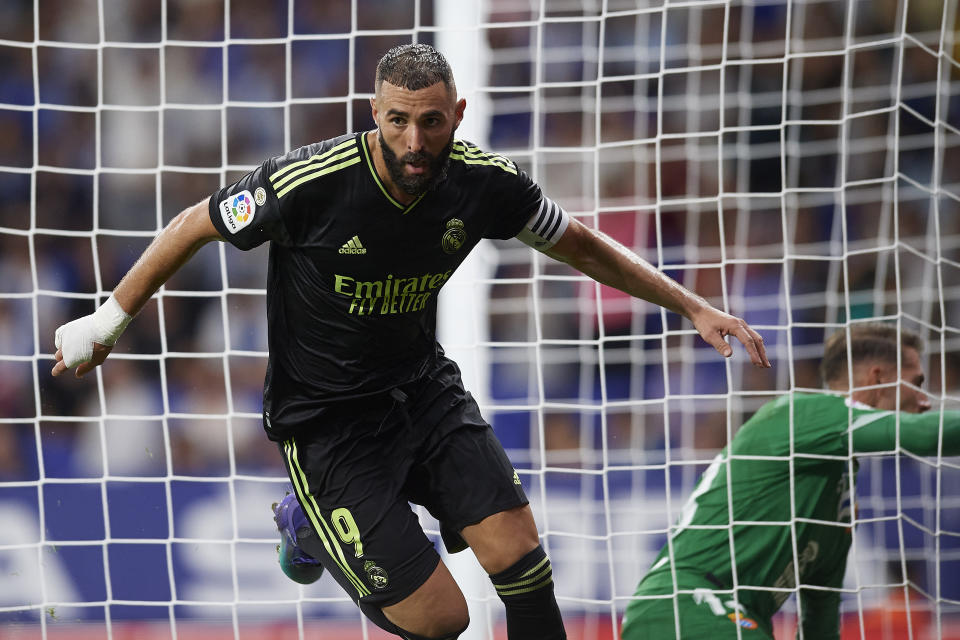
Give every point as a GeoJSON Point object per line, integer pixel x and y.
{"type": "Point", "coordinates": [369, 415]}
{"type": "Point", "coordinates": [799, 512]}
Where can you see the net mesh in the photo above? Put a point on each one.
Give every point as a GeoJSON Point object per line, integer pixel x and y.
{"type": "Point", "coordinates": [789, 161]}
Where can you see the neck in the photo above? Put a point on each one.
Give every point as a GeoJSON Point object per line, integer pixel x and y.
{"type": "Point", "coordinates": [401, 196]}
{"type": "Point", "coordinates": [862, 397]}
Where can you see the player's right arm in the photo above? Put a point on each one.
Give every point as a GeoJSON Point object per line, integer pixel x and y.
{"type": "Point", "coordinates": [85, 342]}
{"type": "Point", "coordinates": [533, 218]}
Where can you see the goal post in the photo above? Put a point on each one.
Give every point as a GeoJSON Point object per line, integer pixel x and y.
{"type": "Point", "coordinates": [463, 310]}
{"type": "Point", "coordinates": [793, 161]}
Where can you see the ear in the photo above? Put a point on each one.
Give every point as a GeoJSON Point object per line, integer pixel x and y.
{"type": "Point", "coordinates": [373, 108]}
{"type": "Point", "coordinates": [877, 374]}
{"type": "Point", "coordinates": [458, 110]}
{"type": "Point", "coordinates": [866, 374]}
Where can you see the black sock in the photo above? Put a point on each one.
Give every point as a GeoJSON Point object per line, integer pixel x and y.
{"type": "Point", "coordinates": [526, 589]}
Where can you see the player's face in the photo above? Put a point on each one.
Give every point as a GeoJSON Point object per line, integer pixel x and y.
{"type": "Point", "coordinates": [912, 399]}
{"type": "Point", "coordinates": [415, 133]}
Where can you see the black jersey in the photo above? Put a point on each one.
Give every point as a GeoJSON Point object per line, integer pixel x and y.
{"type": "Point", "coordinates": [353, 274]}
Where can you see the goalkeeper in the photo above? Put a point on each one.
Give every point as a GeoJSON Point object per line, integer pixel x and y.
{"type": "Point", "coordinates": [369, 414]}
{"type": "Point", "coordinates": [800, 525]}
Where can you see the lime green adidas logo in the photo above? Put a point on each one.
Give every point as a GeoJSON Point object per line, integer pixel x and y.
{"type": "Point", "coordinates": [353, 246]}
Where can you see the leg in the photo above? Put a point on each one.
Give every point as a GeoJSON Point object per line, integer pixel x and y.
{"type": "Point", "coordinates": [466, 481]}
{"type": "Point", "coordinates": [432, 611]}
{"type": "Point", "coordinates": [436, 610]}
{"type": "Point", "coordinates": [366, 536]}
{"type": "Point", "coordinates": [508, 548]}
{"type": "Point", "coordinates": [500, 540]}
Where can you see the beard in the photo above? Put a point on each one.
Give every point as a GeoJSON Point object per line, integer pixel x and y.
{"type": "Point", "coordinates": [416, 184]}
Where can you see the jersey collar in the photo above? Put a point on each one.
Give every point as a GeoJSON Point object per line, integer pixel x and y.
{"type": "Point", "coordinates": [376, 178]}
{"type": "Point", "coordinates": [856, 404]}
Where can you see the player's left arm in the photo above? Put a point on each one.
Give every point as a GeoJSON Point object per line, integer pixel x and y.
{"type": "Point", "coordinates": [820, 614]}
{"type": "Point", "coordinates": [923, 434]}
{"type": "Point", "coordinates": [607, 261]}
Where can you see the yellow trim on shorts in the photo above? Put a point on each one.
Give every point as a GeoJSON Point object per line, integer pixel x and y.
{"type": "Point", "coordinates": [312, 511]}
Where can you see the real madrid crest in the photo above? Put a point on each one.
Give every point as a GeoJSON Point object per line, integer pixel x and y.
{"type": "Point", "coordinates": [454, 236]}
{"type": "Point", "coordinates": [376, 575]}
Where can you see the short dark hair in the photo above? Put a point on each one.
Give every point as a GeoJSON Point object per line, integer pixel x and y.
{"type": "Point", "coordinates": [869, 341]}
{"type": "Point", "coordinates": [413, 67]}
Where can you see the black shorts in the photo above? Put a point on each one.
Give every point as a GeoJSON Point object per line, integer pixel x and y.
{"type": "Point", "coordinates": [357, 470]}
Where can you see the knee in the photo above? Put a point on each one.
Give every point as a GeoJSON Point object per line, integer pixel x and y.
{"type": "Point", "coordinates": [452, 634]}
{"type": "Point", "coordinates": [436, 610]}
{"type": "Point", "coordinates": [500, 540]}
{"type": "Point", "coordinates": [445, 623]}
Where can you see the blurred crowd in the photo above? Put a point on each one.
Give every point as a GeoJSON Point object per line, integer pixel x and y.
{"type": "Point", "coordinates": [799, 180]}
{"type": "Point", "coordinates": [110, 167]}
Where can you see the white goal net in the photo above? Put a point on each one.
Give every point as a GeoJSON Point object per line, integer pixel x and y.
{"type": "Point", "coordinates": [794, 162]}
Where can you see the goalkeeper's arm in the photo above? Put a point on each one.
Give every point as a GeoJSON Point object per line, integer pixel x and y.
{"type": "Point", "coordinates": [820, 608]}
{"type": "Point", "coordinates": [86, 342]}
{"type": "Point", "coordinates": [820, 613]}
{"type": "Point", "coordinates": [919, 433]}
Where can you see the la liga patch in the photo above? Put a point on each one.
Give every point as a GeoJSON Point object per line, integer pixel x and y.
{"type": "Point", "coordinates": [237, 211]}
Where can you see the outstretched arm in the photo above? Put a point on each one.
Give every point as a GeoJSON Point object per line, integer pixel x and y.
{"type": "Point", "coordinates": [609, 262]}
{"type": "Point", "coordinates": [87, 341]}
{"type": "Point", "coordinates": [919, 433]}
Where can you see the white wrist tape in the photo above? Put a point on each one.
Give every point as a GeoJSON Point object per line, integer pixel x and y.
{"type": "Point", "coordinates": [110, 320]}
{"type": "Point", "coordinates": [76, 338]}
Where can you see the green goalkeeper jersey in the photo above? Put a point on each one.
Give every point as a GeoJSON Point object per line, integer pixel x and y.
{"type": "Point", "coordinates": [775, 490]}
